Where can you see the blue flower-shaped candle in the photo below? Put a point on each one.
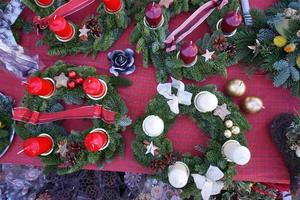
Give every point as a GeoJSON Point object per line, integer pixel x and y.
{"type": "Point", "coordinates": [121, 62]}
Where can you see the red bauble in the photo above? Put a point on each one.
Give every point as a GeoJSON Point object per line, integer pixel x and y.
{"type": "Point", "coordinates": [96, 141]}
{"type": "Point", "coordinates": [72, 74]}
{"type": "Point", "coordinates": [93, 86]}
{"type": "Point", "coordinates": [71, 84]}
{"type": "Point", "coordinates": [79, 80]}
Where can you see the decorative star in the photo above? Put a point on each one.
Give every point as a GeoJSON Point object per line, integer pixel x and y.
{"type": "Point", "coordinates": [255, 48]}
{"type": "Point", "coordinates": [208, 55]}
{"type": "Point", "coordinates": [166, 3]}
{"type": "Point", "coordinates": [151, 149]}
{"type": "Point", "coordinates": [222, 111]}
{"type": "Point", "coordinates": [62, 148]}
{"type": "Point", "coordinates": [84, 31]}
{"type": "Point", "coordinates": [61, 80]}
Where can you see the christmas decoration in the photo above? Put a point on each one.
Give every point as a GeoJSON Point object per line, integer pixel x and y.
{"type": "Point", "coordinates": [153, 15]}
{"type": "Point", "coordinates": [230, 22]}
{"type": "Point", "coordinates": [175, 167]}
{"type": "Point", "coordinates": [227, 133]}
{"type": "Point", "coordinates": [269, 54]}
{"type": "Point", "coordinates": [94, 27]}
{"type": "Point", "coordinates": [79, 80]}
{"type": "Point", "coordinates": [235, 88]}
{"type": "Point", "coordinates": [42, 87]}
{"type": "Point", "coordinates": [84, 33]}
{"type": "Point", "coordinates": [7, 131]}
{"type": "Point", "coordinates": [71, 84]}
{"type": "Point", "coordinates": [63, 30]}
{"type": "Point", "coordinates": [188, 53]}
{"type": "Point", "coordinates": [44, 3]}
{"type": "Point", "coordinates": [151, 149]}
{"type": "Point", "coordinates": [70, 156]}
{"type": "Point", "coordinates": [252, 105]}
{"type": "Point", "coordinates": [61, 80]}
{"type": "Point", "coordinates": [220, 43]}
{"type": "Point", "coordinates": [235, 130]}
{"type": "Point", "coordinates": [153, 126]}
{"type": "Point", "coordinates": [208, 55]}
{"type": "Point", "coordinates": [95, 88]}
{"type": "Point", "coordinates": [72, 74]}
{"type": "Point", "coordinates": [121, 62]}
{"type": "Point", "coordinates": [166, 3]}
{"type": "Point", "coordinates": [41, 145]}
{"type": "Point", "coordinates": [97, 140]}
{"type": "Point", "coordinates": [246, 12]}
{"type": "Point", "coordinates": [234, 152]}
{"type": "Point", "coordinates": [222, 111]}
{"type": "Point", "coordinates": [112, 6]}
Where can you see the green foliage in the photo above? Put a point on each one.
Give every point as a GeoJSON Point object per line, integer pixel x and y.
{"type": "Point", "coordinates": [111, 101]}
{"type": "Point", "coordinates": [6, 127]}
{"type": "Point", "coordinates": [209, 123]}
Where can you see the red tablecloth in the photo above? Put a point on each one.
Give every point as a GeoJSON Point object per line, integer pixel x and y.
{"type": "Point", "coordinates": [266, 164]}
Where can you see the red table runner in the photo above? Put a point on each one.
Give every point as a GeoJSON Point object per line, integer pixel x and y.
{"type": "Point", "coordinates": [266, 164]}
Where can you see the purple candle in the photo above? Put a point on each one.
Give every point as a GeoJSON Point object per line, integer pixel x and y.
{"type": "Point", "coordinates": [153, 14]}
{"type": "Point", "coordinates": [188, 52]}
{"type": "Point", "coordinates": [231, 21]}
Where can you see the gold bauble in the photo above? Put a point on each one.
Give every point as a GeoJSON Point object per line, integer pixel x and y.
{"type": "Point", "coordinates": [235, 88]}
{"type": "Point", "coordinates": [235, 130]}
{"type": "Point", "coordinates": [252, 105]}
{"type": "Point", "coordinates": [227, 133]}
{"type": "Point", "coordinates": [1, 125]}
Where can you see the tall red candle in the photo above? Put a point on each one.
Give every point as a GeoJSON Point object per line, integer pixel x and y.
{"type": "Point", "coordinates": [231, 21]}
{"type": "Point", "coordinates": [113, 5]}
{"type": "Point", "coordinates": [61, 27]}
{"type": "Point", "coordinates": [188, 52]}
{"type": "Point", "coordinates": [37, 146]}
{"type": "Point", "coordinates": [44, 3]}
{"type": "Point", "coordinates": [94, 87]}
{"type": "Point", "coordinates": [40, 87]}
{"type": "Point", "coordinates": [153, 14]}
{"type": "Point", "coordinates": [97, 140]}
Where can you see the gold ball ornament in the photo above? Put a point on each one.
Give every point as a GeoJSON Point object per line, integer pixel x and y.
{"type": "Point", "coordinates": [290, 48]}
{"type": "Point", "coordinates": [1, 124]}
{"type": "Point", "coordinates": [280, 41]}
{"type": "Point", "coordinates": [235, 130]}
{"type": "Point", "coordinates": [235, 88]}
{"type": "Point", "coordinates": [228, 123]}
{"type": "Point", "coordinates": [252, 105]}
{"type": "Point", "coordinates": [298, 62]}
{"type": "Point", "coordinates": [227, 133]}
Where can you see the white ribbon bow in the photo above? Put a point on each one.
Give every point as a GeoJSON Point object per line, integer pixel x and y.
{"type": "Point", "coordinates": [209, 184]}
{"type": "Point", "coordinates": [183, 97]}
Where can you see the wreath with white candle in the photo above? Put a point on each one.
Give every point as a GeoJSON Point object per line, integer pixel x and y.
{"type": "Point", "coordinates": [216, 115]}
{"type": "Point", "coordinates": [44, 115]}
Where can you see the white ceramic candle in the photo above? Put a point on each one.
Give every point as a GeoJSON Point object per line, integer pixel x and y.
{"type": "Point", "coordinates": [234, 152]}
{"type": "Point", "coordinates": [153, 126]}
{"type": "Point", "coordinates": [205, 102]}
{"type": "Point", "coordinates": [178, 174]}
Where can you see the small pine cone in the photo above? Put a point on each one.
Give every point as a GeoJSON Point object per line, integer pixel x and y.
{"type": "Point", "coordinates": [231, 50]}
{"type": "Point", "coordinates": [220, 43]}
{"type": "Point", "coordinates": [94, 26]}
{"type": "Point", "coordinates": [169, 159]}
{"type": "Point", "coordinates": [158, 165]}
{"type": "Point", "coordinates": [74, 150]}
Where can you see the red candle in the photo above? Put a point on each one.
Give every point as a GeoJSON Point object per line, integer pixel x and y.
{"type": "Point", "coordinates": [231, 21]}
{"type": "Point", "coordinates": [94, 87]}
{"type": "Point", "coordinates": [61, 27]}
{"type": "Point", "coordinates": [97, 140]}
{"type": "Point", "coordinates": [39, 87]}
{"type": "Point", "coordinates": [153, 14]}
{"type": "Point", "coordinates": [188, 52]}
{"type": "Point", "coordinates": [44, 3]}
{"type": "Point", "coordinates": [113, 5]}
{"type": "Point", "coordinates": [37, 146]}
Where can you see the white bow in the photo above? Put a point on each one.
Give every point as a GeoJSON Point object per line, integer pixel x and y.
{"type": "Point", "coordinates": [182, 97]}
{"type": "Point", "coordinates": [209, 184]}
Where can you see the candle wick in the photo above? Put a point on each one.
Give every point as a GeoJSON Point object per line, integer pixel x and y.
{"type": "Point", "coordinates": [237, 10]}
{"type": "Point", "coordinates": [24, 83]}
{"type": "Point", "coordinates": [153, 3]}
{"type": "Point", "coordinates": [21, 151]}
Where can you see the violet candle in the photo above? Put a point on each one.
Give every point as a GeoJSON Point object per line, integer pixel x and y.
{"type": "Point", "coordinates": [153, 14]}
{"type": "Point", "coordinates": [188, 52]}
{"type": "Point", "coordinates": [231, 21]}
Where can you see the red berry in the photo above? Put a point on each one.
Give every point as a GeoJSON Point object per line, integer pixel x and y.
{"type": "Point", "coordinates": [79, 80]}
{"type": "Point", "coordinates": [71, 84]}
{"type": "Point", "coordinates": [72, 74]}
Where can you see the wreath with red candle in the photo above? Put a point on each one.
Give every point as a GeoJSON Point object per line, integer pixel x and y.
{"type": "Point", "coordinates": [42, 111]}
{"type": "Point", "coordinates": [214, 123]}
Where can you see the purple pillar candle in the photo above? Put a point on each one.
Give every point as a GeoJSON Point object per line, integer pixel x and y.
{"type": "Point", "coordinates": [188, 52]}
{"type": "Point", "coordinates": [153, 14]}
{"type": "Point", "coordinates": [231, 21]}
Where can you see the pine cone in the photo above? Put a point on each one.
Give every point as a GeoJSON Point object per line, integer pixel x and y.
{"type": "Point", "coordinates": [74, 150]}
{"type": "Point", "coordinates": [220, 43]}
{"type": "Point", "coordinates": [231, 50]}
{"type": "Point", "coordinates": [94, 26]}
{"type": "Point", "coordinates": [158, 165]}
{"type": "Point", "coordinates": [169, 159]}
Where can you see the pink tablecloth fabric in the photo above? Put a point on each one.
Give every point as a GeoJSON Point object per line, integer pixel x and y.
{"type": "Point", "coordinates": [266, 164]}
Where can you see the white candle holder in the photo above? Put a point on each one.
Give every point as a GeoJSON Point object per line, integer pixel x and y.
{"type": "Point", "coordinates": [114, 12]}
{"type": "Point", "coordinates": [178, 174]}
{"type": "Point", "coordinates": [225, 34]}
{"type": "Point", "coordinates": [158, 26]}
{"type": "Point", "coordinates": [102, 95]}
{"type": "Point", "coordinates": [69, 38]}
{"type": "Point", "coordinates": [233, 151]}
{"type": "Point", "coordinates": [210, 99]}
{"type": "Point", "coordinates": [187, 65]}
{"type": "Point", "coordinates": [108, 137]}
{"type": "Point", "coordinates": [51, 150]}
{"type": "Point", "coordinates": [50, 95]}
{"type": "Point", "coordinates": [43, 6]}
{"type": "Point", "coordinates": [154, 122]}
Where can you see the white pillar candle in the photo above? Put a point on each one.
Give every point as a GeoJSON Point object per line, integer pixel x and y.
{"type": "Point", "coordinates": [205, 102]}
{"type": "Point", "coordinates": [153, 126]}
{"type": "Point", "coordinates": [234, 152]}
{"type": "Point", "coordinates": [178, 174]}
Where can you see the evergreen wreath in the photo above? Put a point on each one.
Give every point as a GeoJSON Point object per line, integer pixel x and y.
{"type": "Point", "coordinates": [164, 155]}
{"type": "Point", "coordinates": [151, 44]}
{"type": "Point", "coordinates": [272, 44]}
{"type": "Point", "coordinates": [77, 156]}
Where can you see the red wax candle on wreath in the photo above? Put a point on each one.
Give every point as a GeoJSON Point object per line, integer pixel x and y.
{"type": "Point", "coordinates": [113, 5]}
{"type": "Point", "coordinates": [97, 140]}
{"type": "Point", "coordinates": [36, 146]}
{"type": "Point", "coordinates": [39, 86]}
{"type": "Point", "coordinates": [231, 21]}
{"type": "Point", "coordinates": [188, 52]}
{"type": "Point", "coordinates": [62, 28]}
{"type": "Point", "coordinates": [94, 87]}
{"type": "Point", "coordinates": [153, 14]}
{"type": "Point", "coordinates": [44, 3]}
